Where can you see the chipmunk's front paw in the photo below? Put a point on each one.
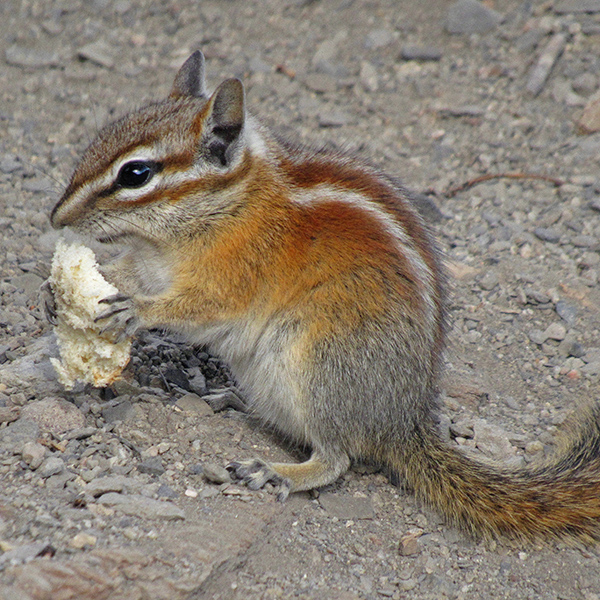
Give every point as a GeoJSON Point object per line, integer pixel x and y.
{"type": "Point", "coordinates": [256, 473]}
{"type": "Point", "coordinates": [120, 319]}
{"type": "Point", "coordinates": [48, 302]}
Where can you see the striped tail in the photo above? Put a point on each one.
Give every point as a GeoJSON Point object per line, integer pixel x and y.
{"type": "Point", "coordinates": [559, 499]}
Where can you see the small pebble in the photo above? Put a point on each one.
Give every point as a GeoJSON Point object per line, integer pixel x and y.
{"type": "Point", "coordinates": [151, 466]}
{"type": "Point", "coordinates": [215, 473]}
{"type": "Point", "coordinates": [35, 58]}
{"type": "Point", "coordinates": [165, 491]}
{"type": "Point", "coordinates": [33, 454]}
{"type": "Point", "coordinates": [570, 347]}
{"type": "Point", "coordinates": [567, 312]}
{"type": "Point", "coordinates": [409, 543]}
{"type": "Point", "coordinates": [100, 53]}
{"type": "Point", "coordinates": [555, 331]}
{"type": "Point", "coordinates": [547, 235]}
{"type": "Point", "coordinates": [471, 16]}
{"type": "Point", "coordinates": [52, 465]}
{"type": "Point", "coordinates": [141, 506]}
{"type": "Point", "coordinates": [81, 540]}
{"type": "Point", "coordinates": [489, 281]}
{"type": "Point", "coordinates": [534, 447]}
{"type": "Point", "coordinates": [8, 415]}
{"type": "Point", "coordinates": [420, 53]}
{"type": "Point", "coordinates": [123, 411]}
{"type": "Point", "coordinates": [103, 485]}
{"type": "Point", "coordinates": [193, 403]}
{"type": "Point", "coordinates": [378, 38]}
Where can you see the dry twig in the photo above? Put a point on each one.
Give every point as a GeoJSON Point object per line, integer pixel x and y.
{"type": "Point", "coordinates": [471, 182]}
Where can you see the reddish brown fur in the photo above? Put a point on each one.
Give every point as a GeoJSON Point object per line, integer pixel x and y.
{"type": "Point", "coordinates": [319, 170]}
{"type": "Point", "coordinates": [303, 239]}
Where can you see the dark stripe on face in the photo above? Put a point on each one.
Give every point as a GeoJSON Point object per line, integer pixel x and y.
{"type": "Point", "coordinates": [212, 182]}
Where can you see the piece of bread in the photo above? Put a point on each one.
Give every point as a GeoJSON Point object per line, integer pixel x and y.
{"type": "Point", "coordinates": [78, 286]}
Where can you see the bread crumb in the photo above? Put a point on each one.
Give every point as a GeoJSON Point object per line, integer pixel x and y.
{"type": "Point", "coordinates": [78, 286]}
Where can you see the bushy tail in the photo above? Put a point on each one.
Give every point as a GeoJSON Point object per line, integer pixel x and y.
{"type": "Point", "coordinates": [558, 499]}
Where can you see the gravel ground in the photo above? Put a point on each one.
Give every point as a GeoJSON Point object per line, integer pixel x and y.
{"type": "Point", "coordinates": [120, 493]}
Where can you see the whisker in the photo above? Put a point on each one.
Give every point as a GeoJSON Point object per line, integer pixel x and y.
{"type": "Point", "coordinates": [109, 236]}
{"type": "Point", "coordinates": [94, 114]}
{"type": "Point", "coordinates": [60, 183]}
{"type": "Point", "coordinates": [142, 229]}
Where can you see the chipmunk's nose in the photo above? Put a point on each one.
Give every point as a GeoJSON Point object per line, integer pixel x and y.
{"type": "Point", "coordinates": [65, 211]}
{"type": "Point", "coordinates": [55, 216]}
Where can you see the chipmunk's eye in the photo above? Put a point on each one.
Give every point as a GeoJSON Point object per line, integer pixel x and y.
{"type": "Point", "coordinates": [135, 174]}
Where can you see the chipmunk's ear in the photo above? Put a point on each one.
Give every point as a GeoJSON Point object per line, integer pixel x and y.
{"type": "Point", "coordinates": [189, 80]}
{"type": "Point", "coordinates": [224, 122]}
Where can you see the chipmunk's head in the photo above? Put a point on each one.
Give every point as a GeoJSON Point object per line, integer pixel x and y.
{"type": "Point", "coordinates": [150, 172]}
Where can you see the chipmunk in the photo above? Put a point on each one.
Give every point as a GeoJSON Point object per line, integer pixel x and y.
{"type": "Point", "coordinates": [314, 277]}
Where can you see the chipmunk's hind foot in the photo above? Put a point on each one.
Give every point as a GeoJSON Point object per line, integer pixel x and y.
{"type": "Point", "coordinates": [223, 398]}
{"type": "Point", "coordinates": [256, 473]}
{"type": "Point", "coordinates": [291, 477]}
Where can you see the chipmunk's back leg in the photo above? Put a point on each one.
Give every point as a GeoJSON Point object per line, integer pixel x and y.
{"type": "Point", "coordinates": [319, 470]}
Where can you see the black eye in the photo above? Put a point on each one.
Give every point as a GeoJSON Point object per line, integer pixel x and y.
{"type": "Point", "coordinates": [135, 174]}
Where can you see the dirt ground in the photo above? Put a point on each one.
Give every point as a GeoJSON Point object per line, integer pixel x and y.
{"type": "Point", "coordinates": [120, 494]}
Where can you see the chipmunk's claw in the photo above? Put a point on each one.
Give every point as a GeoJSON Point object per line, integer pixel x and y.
{"type": "Point", "coordinates": [120, 317]}
{"type": "Point", "coordinates": [48, 302]}
{"type": "Point", "coordinates": [115, 298]}
{"type": "Point", "coordinates": [256, 473]}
